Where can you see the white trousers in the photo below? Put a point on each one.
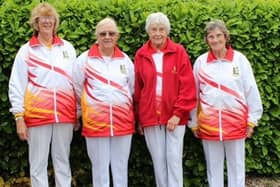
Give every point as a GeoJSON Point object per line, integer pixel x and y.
{"type": "Point", "coordinates": [59, 137]}
{"type": "Point", "coordinates": [166, 149]}
{"type": "Point", "coordinates": [106, 151]}
{"type": "Point", "coordinates": [215, 153]}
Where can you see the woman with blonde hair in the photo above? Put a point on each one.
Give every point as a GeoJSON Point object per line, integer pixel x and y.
{"type": "Point", "coordinates": [42, 97]}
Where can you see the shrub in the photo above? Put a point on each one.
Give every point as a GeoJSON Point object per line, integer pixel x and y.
{"type": "Point", "coordinates": [255, 31]}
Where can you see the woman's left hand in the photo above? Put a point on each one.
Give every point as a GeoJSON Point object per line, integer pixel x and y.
{"type": "Point", "coordinates": [77, 125]}
{"type": "Point", "coordinates": [250, 131]}
{"type": "Point", "coordinates": [172, 123]}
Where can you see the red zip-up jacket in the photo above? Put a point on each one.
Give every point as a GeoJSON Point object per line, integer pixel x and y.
{"type": "Point", "coordinates": [178, 86]}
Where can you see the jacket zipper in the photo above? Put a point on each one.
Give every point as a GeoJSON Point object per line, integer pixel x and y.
{"type": "Point", "coordinates": [54, 91]}
{"type": "Point", "coordinates": [219, 107]}
{"type": "Point", "coordinates": [110, 106]}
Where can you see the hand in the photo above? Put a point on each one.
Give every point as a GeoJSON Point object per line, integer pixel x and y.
{"type": "Point", "coordinates": [172, 123]}
{"type": "Point", "coordinates": [77, 125]}
{"type": "Point", "coordinates": [22, 130]}
{"type": "Point", "coordinates": [194, 131]}
{"type": "Point", "coordinates": [250, 131]}
{"type": "Point", "coordinates": [139, 129]}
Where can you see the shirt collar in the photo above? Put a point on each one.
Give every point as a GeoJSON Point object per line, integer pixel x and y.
{"type": "Point", "coordinates": [34, 41]}
{"type": "Point", "coordinates": [94, 52]}
{"type": "Point", "coordinates": [152, 48]}
{"type": "Point", "coordinates": [212, 58]}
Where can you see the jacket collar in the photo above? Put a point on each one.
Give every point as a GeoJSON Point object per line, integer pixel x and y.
{"type": "Point", "coordinates": [35, 42]}
{"type": "Point", "coordinates": [212, 58]}
{"type": "Point", "coordinates": [148, 49]}
{"type": "Point", "coordinates": [94, 52]}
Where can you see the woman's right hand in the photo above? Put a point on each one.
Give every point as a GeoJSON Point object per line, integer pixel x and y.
{"type": "Point", "coordinates": [139, 129]}
{"type": "Point", "coordinates": [194, 131]}
{"type": "Point", "coordinates": [22, 130]}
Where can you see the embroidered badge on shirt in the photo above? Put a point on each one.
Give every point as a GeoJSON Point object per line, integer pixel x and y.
{"type": "Point", "coordinates": [235, 71]}
{"type": "Point", "coordinates": [123, 69]}
{"type": "Point", "coordinates": [65, 54]}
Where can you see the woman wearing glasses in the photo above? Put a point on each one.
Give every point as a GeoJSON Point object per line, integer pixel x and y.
{"type": "Point", "coordinates": [42, 97]}
{"type": "Point", "coordinates": [104, 82]}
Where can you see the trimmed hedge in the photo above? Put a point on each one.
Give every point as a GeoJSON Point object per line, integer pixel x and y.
{"type": "Point", "coordinates": [255, 31]}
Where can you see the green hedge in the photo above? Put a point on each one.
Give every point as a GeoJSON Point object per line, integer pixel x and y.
{"type": "Point", "coordinates": [255, 31]}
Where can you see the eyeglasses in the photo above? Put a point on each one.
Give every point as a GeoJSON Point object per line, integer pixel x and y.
{"type": "Point", "coordinates": [47, 18]}
{"type": "Point", "coordinates": [110, 33]}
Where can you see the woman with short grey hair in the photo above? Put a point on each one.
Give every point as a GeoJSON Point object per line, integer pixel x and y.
{"type": "Point", "coordinates": [229, 106]}
{"type": "Point", "coordinates": [164, 95]}
{"type": "Point", "coordinates": [104, 84]}
{"type": "Point", "coordinates": [212, 25]}
{"type": "Point", "coordinates": [158, 18]}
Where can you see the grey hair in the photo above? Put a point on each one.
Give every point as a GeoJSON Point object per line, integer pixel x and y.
{"type": "Point", "coordinates": [210, 26]}
{"type": "Point", "coordinates": [106, 21]}
{"type": "Point", "coordinates": [157, 18]}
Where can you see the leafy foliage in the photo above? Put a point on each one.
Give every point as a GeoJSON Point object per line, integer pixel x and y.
{"type": "Point", "coordinates": [255, 31]}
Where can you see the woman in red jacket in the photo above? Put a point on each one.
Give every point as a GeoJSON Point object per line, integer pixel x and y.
{"type": "Point", "coordinates": [164, 95]}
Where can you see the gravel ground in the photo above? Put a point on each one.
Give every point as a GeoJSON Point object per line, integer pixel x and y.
{"type": "Point", "coordinates": [250, 182]}
{"type": "Point", "coordinates": [262, 182]}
